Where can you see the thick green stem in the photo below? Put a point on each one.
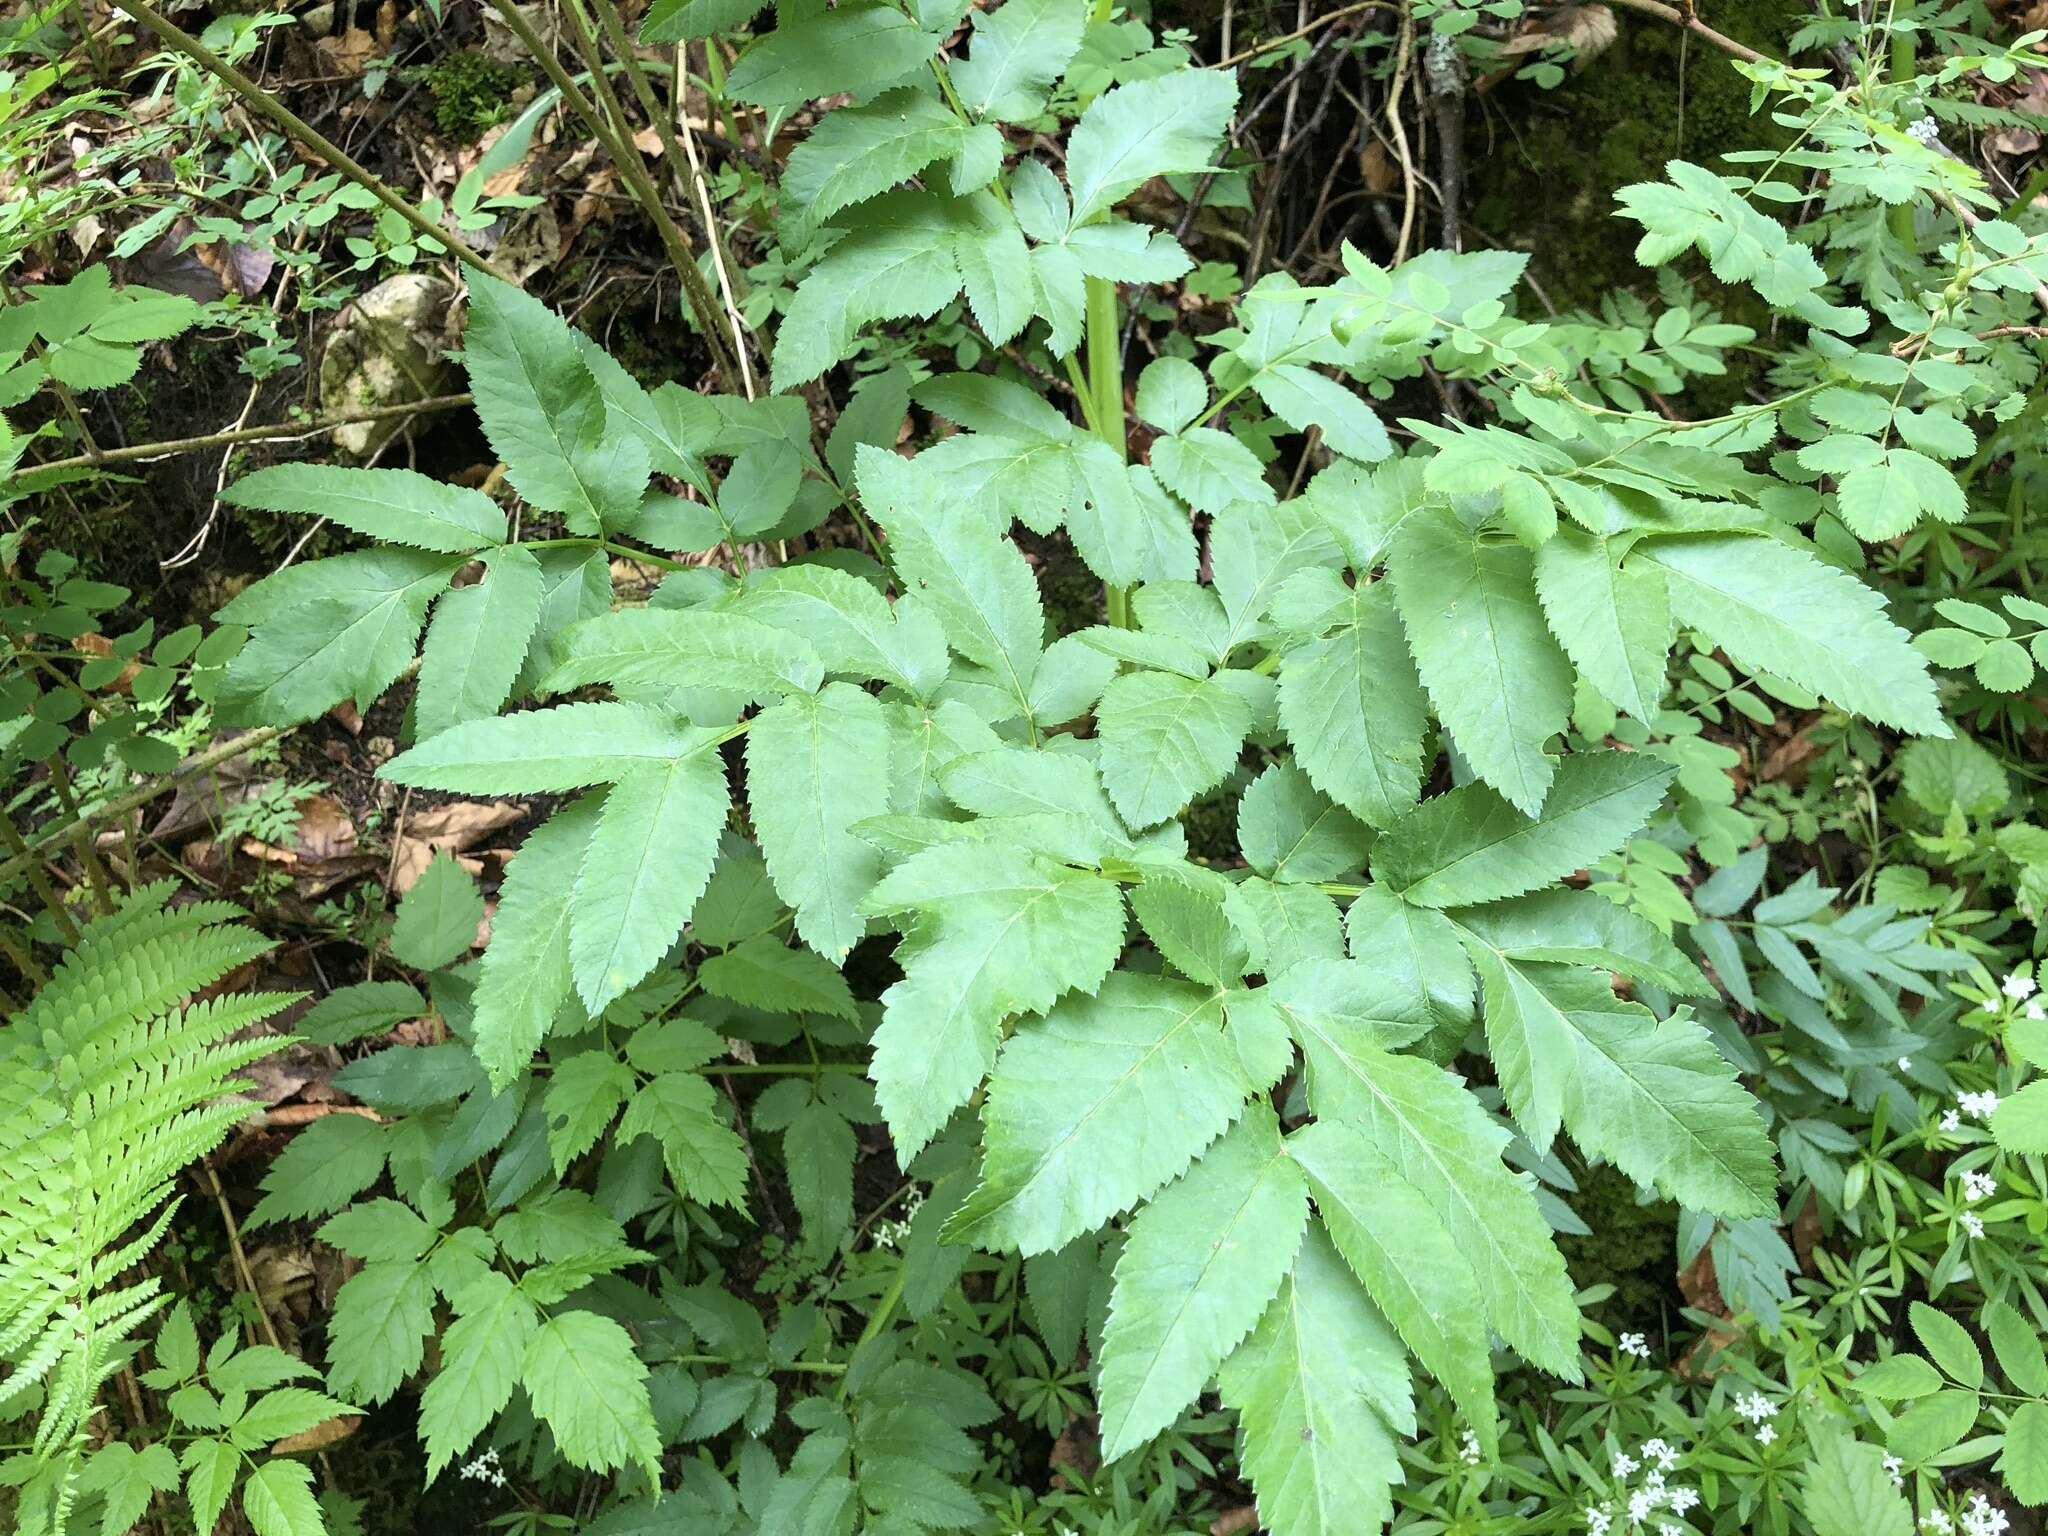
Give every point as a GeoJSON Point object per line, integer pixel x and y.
{"type": "Point", "coordinates": [1106, 391]}
{"type": "Point", "coordinates": [1900, 216]}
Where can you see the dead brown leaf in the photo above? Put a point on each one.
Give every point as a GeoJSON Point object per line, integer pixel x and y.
{"type": "Point", "coordinates": [320, 1436]}
{"type": "Point", "coordinates": [349, 54]}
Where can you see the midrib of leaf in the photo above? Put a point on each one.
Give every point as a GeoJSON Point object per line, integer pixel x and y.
{"type": "Point", "coordinates": [644, 864]}
{"type": "Point", "coordinates": [547, 420]}
{"type": "Point", "coordinates": [981, 621]}
{"type": "Point", "coordinates": [383, 613]}
{"type": "Point", "coordinates": [1302, 841]}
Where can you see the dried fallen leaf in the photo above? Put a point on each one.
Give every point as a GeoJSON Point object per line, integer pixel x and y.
{"type": "Point", "coordinates": [320, 1436]}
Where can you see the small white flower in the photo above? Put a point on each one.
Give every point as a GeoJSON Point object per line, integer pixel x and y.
{"type": "Point", "coordinates": [1468, 1450]}
{"type": "Point", "coordinates": [1666, 1528]}
{"type": "Point", "coordinates": [1978, 1186]}
{"type": "Point", "coordinates": [1981, 1519]}
{"type": "Point", "coordinates": [1979, 1106]}
{"type": "Point", "coordinates": [1640, 1503]}
{"type": "Point", "coordinates": [1905, 1063]}
{"type": "Point", "coordinates": [1951, 1122]}
{"type": "Point", "coordinates": [2035, 1012]}
{"type": "Point", "coordinates": [1624, 1464]}
{"type": "Point", "coordinates": [484, 1469]}
{"type": "Point", "coordinates": [1597, 1522]}
{"type": "Point", "coordinates": [2018, 986]}
{"type": "Point", "coordinates": [1925, 131]}
{"type": "Point", "coordinates": [1755, 1408]}
{"type": "Point", "coordinates": [1895, 1469]}
{"type": "Point", "coordinates": [1973, 1224]}
{"type": "Point", "coordinates": [1633, 1344]}
{"type": "Point", "coordinates": [1660, 1451]}
{"type": "Point", "coordinates": [1937, 1522]}
{"type": "Point", "coordinates": [1991, 1005]}
{"type": "Point", "coordinates": [1765, 1434]}
{"type": "Point", "coordinates": [1683, 1499]}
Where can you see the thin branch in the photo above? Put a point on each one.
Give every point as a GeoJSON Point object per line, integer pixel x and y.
{"type": "Point", "coordinates": [281, 433]}
{"type": "Point", "coordinates": [298, 128]}
{"type": "Point", "coordinates": [1697, 28]}
{"type": "Point", "coordinates": [1298, 33]}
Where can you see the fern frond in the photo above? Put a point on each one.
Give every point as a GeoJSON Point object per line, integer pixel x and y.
{"type": "Point", "coordinates": [111, 1081]}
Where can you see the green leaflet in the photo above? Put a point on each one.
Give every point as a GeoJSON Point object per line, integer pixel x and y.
{"type": "Point", "coordinates": [996, 933]}
{"type": "Point", "coordinates": [989, 250]}
{"type": "Point", "coordinates": [1578, 928]}
{"type": "Point", "coordinates": [647, 863]}
{"type": "Point", "coordinates": [1019, 49]}
{"type": "Point", "coordinates": [807, 59]}
{"type": "Point", "coordinates": [1076, 1127]}
{"type": "Point", "coordinates": [477, 642]}
{"type": "Point", "coordinates": [1288, 831]}
{"type": "Point", "coordinates": [1405, 1257]}
{"type": "Point", "coordinates": [394, 505]}
{"type": "Point", "coordinates": [1532, 1042]}
{"type": "Point", "coordinates": [543, 412]}
{"type": "Point", "coordinates": [1209, 470]}
{"type": "Point", "coordinates": [976, 581]}
{"type": "Point", "coordinates": [481, 1355]}
{"type": "Point", "coordinates": [377, 1335]}
{"type": "Point", "coordinates": [1184, 916]}
{"type": "Point", "coordinates": [1355, 713]}
{"type": "Point", "coordinates": [1202, 1261]}
{"type": "Point", "coordinates": [1655, 1098]}
{"type": "Point", "coordinates": [853, 629]}
{"type": "Point", "coordinates": [706, 1160]}
{"type": "Point", "coordinates": [1614, 622]}
{"type": "Point", "coordinates": [1303, 398]}
{"type": "Point", "coordinates": [889, 271]}
{"type": "Point", "coordinates": [278, 1499]}
{"type": "Point", "coordinates": [1148, 128]}
{"type": "Point", "coordinates": [1500, 684]}
{"type": "Point", "coordinates": [526, 975]}
{"type": "Point", "coordinates": [764, 973]}
{"type": "Point", "coordinates": [663, 647]}
{"type": "Point", "coordinates": [437, 921]}
{"type": "Point", "coordinates": [547, 750]}
{"type": "Point", "coordinates": [1417, 955]}
{"type": "Point", "coordinates": [860, 152]}
{"type": "Point", "coordinates": [589, 1387]}
{"type": "Point", "coordinates": [1435, 1134]}
{"type": "Point", "coordinates": [1321, 1389]}
{"type": "Point", "coordinates": [1776, 609]}
{"type": "Point", "coordinates": [816, 765]}
{"type": "Point", "coordinates": [336, 629]}
{"type": "Point", "coordinates": [1470, 846]}
{"type": "Point", "coordinates": [1166, 739]}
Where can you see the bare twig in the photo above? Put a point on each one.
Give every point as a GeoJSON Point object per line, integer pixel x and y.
{"type": "Point", "coordinates": [1697, 28]}
{"type": "Point", "coordinates": [1298, 33]}
{"type": "Point", "coordinates": [277, 434]}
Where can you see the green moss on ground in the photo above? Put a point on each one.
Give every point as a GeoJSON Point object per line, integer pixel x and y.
{"type": "Point", "coordinates": [1545, 165]}
{"type": "Point", "coordinates": [471, 93]}
{"type": "Point", "coordinates": [1632, 1247]}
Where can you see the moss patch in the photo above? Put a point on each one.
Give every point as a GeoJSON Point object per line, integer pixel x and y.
{"type": "Point", "coordinates": [1545, 165]}
{"type": "Point", "coordinates": [1632, 1247]}
{"type": "Point", "coordinates": [471, 93]}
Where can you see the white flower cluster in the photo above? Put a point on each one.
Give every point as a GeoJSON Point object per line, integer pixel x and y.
{"type": "Point", "coordinates": [1925, 131]}
{"type": "Point", "coordinates": [485, 1469]}
{"type": "Point", "coordinates": [1895, 1469]}
{"type": "Point", "coordinates": [1633, 1344]}
{"type": "Point", "coordinates": [1468, 1449]}
{"type": "Point", "coordinates": [2019, 987]}
{"type": "Point", "coordinates": [891, 1233]}
{"type": "Point", "coordinates": [1978, 1186]}
{"type": "Point", "coordinates": [1758, 1410]}
{"type": "Point", "coordinates": [1979, 1518]}
{"type": "Point", "coordinates": [1978, 1106]}
{"type": "Point", "coordinates": [1636, 1508]}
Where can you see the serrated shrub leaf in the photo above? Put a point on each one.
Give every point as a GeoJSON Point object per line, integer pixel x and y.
{"type": "Point", "coordinates": [1202, 1261]}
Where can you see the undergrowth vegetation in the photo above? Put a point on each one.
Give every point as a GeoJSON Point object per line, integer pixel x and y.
{"type": "Point", "coordinates": [1067, 845]}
